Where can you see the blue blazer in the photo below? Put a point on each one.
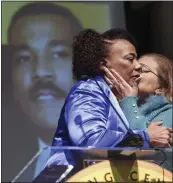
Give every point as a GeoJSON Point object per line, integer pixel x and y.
{"type": "Point", "coordinates": [91, 116]}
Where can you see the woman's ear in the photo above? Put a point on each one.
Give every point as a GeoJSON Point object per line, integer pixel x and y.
{"type": "Point", "coordinates": [106, 63]}
{"type": "Point", "coordinates": [159, 91]}
{"type": "Point", "coordinates": [103, 63]}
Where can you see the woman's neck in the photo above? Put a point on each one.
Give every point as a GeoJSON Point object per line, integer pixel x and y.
{"type": "Point", "coordinates": [142, 99]}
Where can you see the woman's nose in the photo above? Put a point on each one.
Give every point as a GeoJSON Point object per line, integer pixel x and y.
{"type": "Point", "coordinates": [138, 66]}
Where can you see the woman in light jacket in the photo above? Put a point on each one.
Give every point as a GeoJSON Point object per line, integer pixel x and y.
{"type": "Point", "coordinates": [149, 99]}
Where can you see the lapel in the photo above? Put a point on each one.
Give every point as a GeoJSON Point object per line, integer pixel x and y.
{"type": "Point", "coordinates": [112, 98]}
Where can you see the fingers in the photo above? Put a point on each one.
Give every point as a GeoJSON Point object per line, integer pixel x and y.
{"type": "Point", "coordinates": [109, 74]}
{"type": "Point", "coordinates": [169, 145]}
{"type": "Point", "coordinates": [117, 76]}
{"type": "Point", "coordinates": [170, 135]}
{"type": "Point", "coordinates": [157, 123]}
{"type": "Point", "coordinates": [102, 68]}
{"type": "Point", "coordinates": [170, 130]}
{"type": "Point", "coordinates": [161, 136]}
{"type": "Point", "coordinates": [170, 139]}
{"type": "Point", "coordinates": [162, 143]}
{"type": "Point", "coordinates": [166, 138]}
{"type": "Point", "coordinates": [108, 81]}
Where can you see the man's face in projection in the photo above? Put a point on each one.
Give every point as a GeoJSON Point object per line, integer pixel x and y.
{"type": "Point", "coordinates": [42, 66]}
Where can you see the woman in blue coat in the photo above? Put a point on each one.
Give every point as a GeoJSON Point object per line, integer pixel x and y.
{"type": "Point", "coordinates": [91, 115]}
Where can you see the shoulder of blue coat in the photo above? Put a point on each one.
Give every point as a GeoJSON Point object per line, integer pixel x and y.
{"type": "Point", "coordinates": [94, 87]}
{"type": "Point", "coordinates": [96, 84]}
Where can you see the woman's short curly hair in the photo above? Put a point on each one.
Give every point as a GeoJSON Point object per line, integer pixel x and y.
{"type": "Point", "coordinates": [90, 49]}
{"type": "Point", "coordinates": [88, 53]}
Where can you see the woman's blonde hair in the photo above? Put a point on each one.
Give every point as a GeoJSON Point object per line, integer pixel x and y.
{"type": "Point", "coordinates": [164, 72]}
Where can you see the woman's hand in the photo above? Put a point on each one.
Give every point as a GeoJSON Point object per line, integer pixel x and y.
{"type": "Point", "coordinates": [120, 87]}
{"type": "Point", "coordinates": [160, 136]}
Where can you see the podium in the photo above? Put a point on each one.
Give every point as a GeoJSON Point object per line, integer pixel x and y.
{"type": "Point", "coordinates": [90, 164]}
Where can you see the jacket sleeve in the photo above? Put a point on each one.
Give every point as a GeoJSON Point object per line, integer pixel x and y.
{"type": "Point", "coordinates": [87, 115]}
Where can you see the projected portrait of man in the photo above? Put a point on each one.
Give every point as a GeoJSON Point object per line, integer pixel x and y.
{"type": "Point", "coordinates": [40, 35]}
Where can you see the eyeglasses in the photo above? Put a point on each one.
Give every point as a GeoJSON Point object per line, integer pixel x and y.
{"type": "Point", "coordinates": [146, 69]}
